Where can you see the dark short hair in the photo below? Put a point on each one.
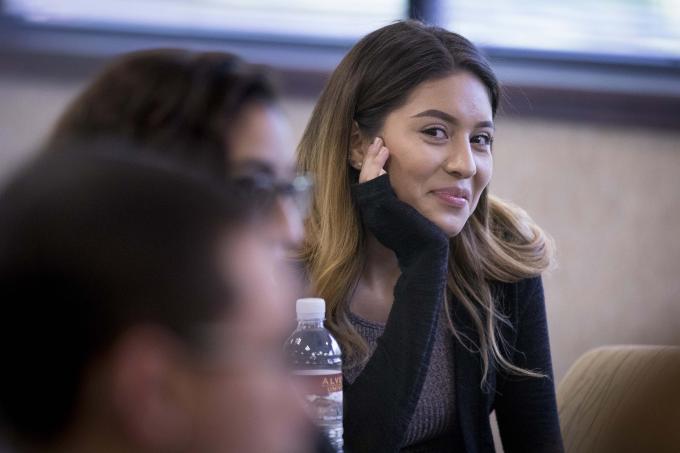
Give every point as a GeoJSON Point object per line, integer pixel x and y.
{"type": "Point", "coordinates": [178, 101]}
{"type": "Point", "coordinates": [93, 242]}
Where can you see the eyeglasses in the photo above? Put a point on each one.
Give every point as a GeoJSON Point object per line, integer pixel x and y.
{"type": "Point", "coordinates": [265, 190]}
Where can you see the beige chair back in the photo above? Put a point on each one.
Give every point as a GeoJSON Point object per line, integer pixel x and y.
{"type": "Point", "coordinates": [622, 399]}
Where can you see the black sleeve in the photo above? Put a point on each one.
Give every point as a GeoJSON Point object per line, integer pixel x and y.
{"type": "Point", "coordinates": [526, 407]}
{"type": "Point", "coordinates": [380, 402]}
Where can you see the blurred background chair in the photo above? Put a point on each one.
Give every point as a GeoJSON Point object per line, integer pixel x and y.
{"type": "Point", "coordinates": [622, 399]}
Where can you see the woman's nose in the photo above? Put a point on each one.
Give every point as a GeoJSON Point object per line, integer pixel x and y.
{"type": "Point", "coordinates": [460, 159]}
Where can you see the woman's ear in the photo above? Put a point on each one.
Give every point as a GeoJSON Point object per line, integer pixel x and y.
{"type": "Point", "coordinates": [357, 147]}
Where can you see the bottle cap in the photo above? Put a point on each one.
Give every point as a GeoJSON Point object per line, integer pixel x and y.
{"type": "Point", "coordinates": [310, 308]}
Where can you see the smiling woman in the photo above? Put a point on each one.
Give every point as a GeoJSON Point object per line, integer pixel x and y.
{"type": "Point", "coordinates": [433, 285]}
{"type": "Point", "coordinates": [424, 136]}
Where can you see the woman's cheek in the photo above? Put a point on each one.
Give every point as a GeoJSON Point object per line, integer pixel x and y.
{"type": "Point", "coordinates": [407, 179]}
{"type": "Point", "coordinates": [484, 170]}
{"type": "Point", "coordinates": [482, 180]}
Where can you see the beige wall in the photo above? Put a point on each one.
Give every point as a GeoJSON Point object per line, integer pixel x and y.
{"type": "Point", "coordinates": [28, 108]}
{"type": "Point", "coordinates": [608, 195]}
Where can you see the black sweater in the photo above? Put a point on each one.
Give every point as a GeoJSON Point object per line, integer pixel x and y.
{"type": "Point", "coordinates": [379, 404]}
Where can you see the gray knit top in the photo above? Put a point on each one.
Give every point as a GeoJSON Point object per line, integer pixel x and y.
{"type": "Point", "coordinates": [435, 412]}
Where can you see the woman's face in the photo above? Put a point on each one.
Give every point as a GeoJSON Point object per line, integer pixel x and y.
{"type": "Point", "coordinates": [261, 144]}
{"type": "Point", "coordinates": [440, 149]}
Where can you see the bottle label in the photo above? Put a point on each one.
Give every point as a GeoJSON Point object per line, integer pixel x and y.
{"type": "Point", "coordinates": [322, 389]}
{"type": "Point", "coordinates": [319, 382]}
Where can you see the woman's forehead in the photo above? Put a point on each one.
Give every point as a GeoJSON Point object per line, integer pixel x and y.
{"type": "Point", "coordinates": [461, 95]}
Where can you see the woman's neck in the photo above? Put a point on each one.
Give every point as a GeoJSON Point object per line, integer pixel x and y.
{"type": "Point", "coordinates": [374, 294]}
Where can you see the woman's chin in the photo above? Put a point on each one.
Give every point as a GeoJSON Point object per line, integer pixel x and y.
{"type": "Point", "coordinates": [450, 221]}
{"type": "Point", "coordinates": [452, 232]}
{"type": "Point", "coordinates": [450, 225]}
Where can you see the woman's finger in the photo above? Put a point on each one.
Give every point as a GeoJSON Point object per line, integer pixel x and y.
{"type": "Point", "coordinates": [381, 159]}
{"type": "Point", "coordinates": [374, 161]}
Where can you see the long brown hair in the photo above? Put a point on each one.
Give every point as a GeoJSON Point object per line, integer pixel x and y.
{"type": "Point", "coordinates": [498, 243]}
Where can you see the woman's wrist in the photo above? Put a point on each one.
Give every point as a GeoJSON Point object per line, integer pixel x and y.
{"type": "Point", "coordinates": [396, 224]}
{"type": "Point", "coordinates": [363, 192]}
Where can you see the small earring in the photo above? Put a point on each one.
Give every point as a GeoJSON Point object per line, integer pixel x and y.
{"type": "Point", "coordinates": [359, 164]}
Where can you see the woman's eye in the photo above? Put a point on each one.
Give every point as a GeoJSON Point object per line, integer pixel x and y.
{"type": "Point", "coordinates": [482, 139]}
{"type": "Point", "coordinates": [436, 132]}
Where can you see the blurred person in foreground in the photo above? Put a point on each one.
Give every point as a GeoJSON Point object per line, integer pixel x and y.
{"type": "Point", "coordinates": [141, 312]}
{"type": "Point", "coordinates": [207, 110]}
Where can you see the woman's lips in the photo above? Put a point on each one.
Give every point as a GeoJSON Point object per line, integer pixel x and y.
{"type": "Point", "coordinates": [455, 197]}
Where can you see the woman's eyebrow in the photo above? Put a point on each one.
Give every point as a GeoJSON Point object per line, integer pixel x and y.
{"type": "Point", "coordinates": [449, 118]}
{"type": "Point", "coordinates": [437, 114]}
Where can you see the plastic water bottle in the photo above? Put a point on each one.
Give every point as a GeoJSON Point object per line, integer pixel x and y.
{"type": "Point", "coordinates": [317, 368]}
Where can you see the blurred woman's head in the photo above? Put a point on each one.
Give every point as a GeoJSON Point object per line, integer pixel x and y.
{"type": "Point", "coordinates": [431, 96]}
{"type": "Point", "coordinates": [208, 110]}
{"type": "Point", "coordinates": [142, 311]}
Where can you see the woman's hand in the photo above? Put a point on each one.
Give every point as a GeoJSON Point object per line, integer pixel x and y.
{"type": "Point", "coordinates": [374, 161]}
{"type": "Point", "coordinates": [404, 349]}
{"type": "Point", "coordinates": [395, 224]}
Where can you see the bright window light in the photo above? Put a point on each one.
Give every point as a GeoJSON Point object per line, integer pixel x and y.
{"type": "Point", "coordinates": [637, 28]}
{"type": "Point", "coordinates": [343, 20]}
